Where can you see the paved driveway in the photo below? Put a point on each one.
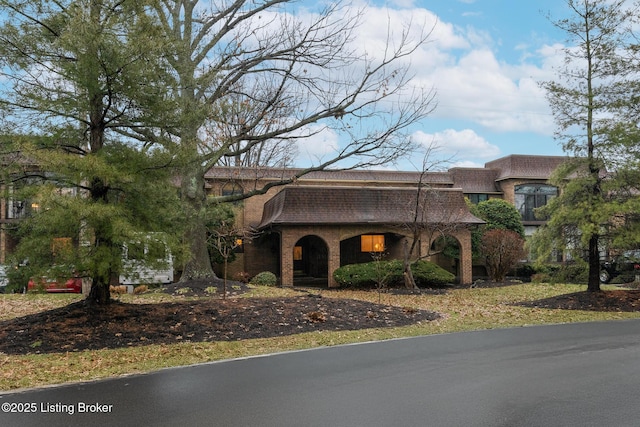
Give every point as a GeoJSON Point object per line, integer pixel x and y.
{"type": "Point", "coordinates": [560, 375]}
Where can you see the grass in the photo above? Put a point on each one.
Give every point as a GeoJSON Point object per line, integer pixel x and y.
{"type": "Point", "coordinates": [462, 310]}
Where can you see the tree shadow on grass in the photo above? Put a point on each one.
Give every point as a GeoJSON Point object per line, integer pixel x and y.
{"type": "Point", "coordinates": [609, 301]}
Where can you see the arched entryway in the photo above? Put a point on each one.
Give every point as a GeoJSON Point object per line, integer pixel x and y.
{"type": "Point", "coordinates": [310, 262]}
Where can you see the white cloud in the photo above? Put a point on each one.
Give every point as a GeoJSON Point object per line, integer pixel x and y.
{"type": "Point", "coordinates": [466, 164]}
{"type": "Point", "coordinates": [472, 84]}
{"type": "Point", "coordinates": [318, 143]}
{"type": "Point", "coordinates": [500, 97]}
{"type": "Point", "coordinates": [452, 142]}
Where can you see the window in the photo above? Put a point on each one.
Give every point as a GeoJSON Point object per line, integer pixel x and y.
{"type": "Point", "coordinates": [478, 197]}
{"type": "Point", "coordinates": [529, 197]}
{"type": "Point", "coordinates": [297, 253]}
{"type": "Point", "coordinates": [231, 189]}
{"type": "Point", "coordinates": [372, 243]}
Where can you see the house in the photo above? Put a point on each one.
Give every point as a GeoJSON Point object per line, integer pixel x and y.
{"type": "Point", "coordinates": [327, 219]}
{"type": "Point", "coordinates": [331, 218]}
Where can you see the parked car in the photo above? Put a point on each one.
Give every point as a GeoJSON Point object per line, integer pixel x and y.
{"type": "Point", "coordinates": [4, 281]}
{"type": "Point", "coordinates": [628, 264]}
{"type": "Point", "coordinates": [73, 285]}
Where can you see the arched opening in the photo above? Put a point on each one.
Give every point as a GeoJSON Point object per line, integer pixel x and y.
{"type": "Point", "coordinates": [446, 252]}
{"type": "Point", "coordinates": [310, 262]}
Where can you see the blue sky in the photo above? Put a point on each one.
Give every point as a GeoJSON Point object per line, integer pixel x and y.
{"type": "Point", "coordinates": [514, 43]}
{"type": "Point", "coordinates": [485, 60]}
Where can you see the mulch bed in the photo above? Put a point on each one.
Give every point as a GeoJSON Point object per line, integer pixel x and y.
{"type": "Point", "coordinates": [615, 300]}
{"type": "Point", "coordinates": [78, 327]}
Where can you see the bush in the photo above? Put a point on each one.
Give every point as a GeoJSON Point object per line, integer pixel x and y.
{"type": "Point", "coordinates": [499, 214]}
{"type": "Point", "coordinates": [577, 273]}
{"type": "Point", "coordinates": [429, 274]}
{"type": "Point", "coordinates": [572, 273]}
{"type": "Point", "coordinates": [390, 272]}
{"type": "Point", "coordinates": [524, 271]}
{"type": "Point", "coordinates": [369, 274]}
{"type": "Point", "coordinates": [265, 278]}
{"type": "Point", "coordinates": [502, 249]}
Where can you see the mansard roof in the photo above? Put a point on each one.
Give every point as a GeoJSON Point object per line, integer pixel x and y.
{"type": "Point", "coordinates": [520, 166]}
{"type": "Point", "coordinates": [475, 180]}
{"type": "Point", "coordinates": [470, 180]}
{"type": "Point", "coordinates": [306, 205]}
{"type": "Point", "coordinates": [329, 175]}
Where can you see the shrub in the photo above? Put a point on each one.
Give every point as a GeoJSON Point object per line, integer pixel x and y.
{"type": "Point", "coordinates": [368, 274]}
{"type": "Point", "coordinates": [577, 273]}
{"type": "Point", "coordinates": [429, 274]}
{"type": "Point", "coordinates": [502, 249]}
{"type": "Point", "coordinates": [524, 271]}
{"type": "Point", "coordinates": [265, 278]}
{"type": "Point", "coordinates": [572, 273]}
{"type": "Point", "coordinates": [500, 214]}
{"type": "Point", "coordinates": [242, 276]}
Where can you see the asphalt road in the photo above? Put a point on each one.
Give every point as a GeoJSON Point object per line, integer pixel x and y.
{"type": "Point", "coordinates": [559, 375]}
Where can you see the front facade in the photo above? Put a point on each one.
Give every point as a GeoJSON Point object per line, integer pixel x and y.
{"type": "Point", "coordinates": [332, 218]}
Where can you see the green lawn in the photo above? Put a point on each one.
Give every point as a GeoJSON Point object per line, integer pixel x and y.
{"type": "Point", "coordinates": [462, 310]}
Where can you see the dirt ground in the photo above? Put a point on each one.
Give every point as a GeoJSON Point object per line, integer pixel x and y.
{"type": "Point", "coordinates": [77, 327]}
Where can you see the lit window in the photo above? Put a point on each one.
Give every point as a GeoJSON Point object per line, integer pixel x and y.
{"type": "Point", "coordinates": [372, 243]}
{"type": "Point", "coordinates": [297, 253]}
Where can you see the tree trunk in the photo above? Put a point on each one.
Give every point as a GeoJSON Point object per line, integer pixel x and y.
{"type": "Point", "coordinates": [594, 265]}
{"type": "Point", "coordinates": [198, 266]}
{"type": "Point", "coordinates": [99, 293]}
{"type": "Point", "coordinates": [409, 280]}
{"type": "Point", "coordinates": [224, 287]}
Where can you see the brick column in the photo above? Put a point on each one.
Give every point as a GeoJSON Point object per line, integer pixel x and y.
{"type": "Point", "coordinates": [333, 244]}
{"type": "Point", "coordinates": [287, 241]}
{"type": "Point", "coordinates": [466, 257]}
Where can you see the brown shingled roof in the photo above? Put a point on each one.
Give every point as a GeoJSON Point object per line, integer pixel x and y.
{"type": "Point", "coordinates": [358, 175]}
{"type": "Point", "coordinates": [475, 180]}
{"type": "Point", "coordinates": [526, 166]}
{"type": "Point", "coordinates": [300, 205]}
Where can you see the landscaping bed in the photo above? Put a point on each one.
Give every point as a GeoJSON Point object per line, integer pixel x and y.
{"type": "Point", "coordinates": [207, 317]}
{"type": "Point", "coordinates": [77, 327]}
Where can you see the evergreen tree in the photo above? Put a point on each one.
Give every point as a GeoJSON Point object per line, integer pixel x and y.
{"type": "Point", "coordinates": [582, 101]}
{"type": "Point", "coordinates": [79, 75]}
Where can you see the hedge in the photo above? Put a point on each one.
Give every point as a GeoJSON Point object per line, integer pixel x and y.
{"type": "Point", "coordinates": [390, 272]}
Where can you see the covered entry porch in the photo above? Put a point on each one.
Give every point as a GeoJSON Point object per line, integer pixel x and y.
{"type": "Point", "coordinates": [322, 228]}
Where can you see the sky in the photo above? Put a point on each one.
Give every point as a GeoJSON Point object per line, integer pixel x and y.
{"type": "Point", "coordinates": [485, 60]}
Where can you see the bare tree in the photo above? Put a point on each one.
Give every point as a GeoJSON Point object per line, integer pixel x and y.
{"type": "Point", "coordinates": [429, 218]}
{"type": "Point", "coordinates": [502, 249]}
{"type": "Point", "coordinates": [225, 239]}
{"type": "Point", "coordinates": [260, 76]}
